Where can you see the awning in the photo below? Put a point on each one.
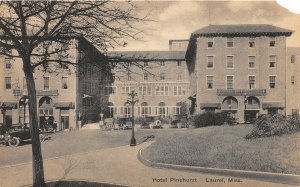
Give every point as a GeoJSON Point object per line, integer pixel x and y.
{"type": "Point", "coordinates": [64, 105]}
{"type": "Point", "coordinates": [210, 105]}
{"type": "Point", "coordinates": [266, 105]}
{"type": "Point", "coordinates": [9, 104]}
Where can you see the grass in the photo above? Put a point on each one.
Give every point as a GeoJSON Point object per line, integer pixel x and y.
{"type": "Point", "coordinates": [225, 147]}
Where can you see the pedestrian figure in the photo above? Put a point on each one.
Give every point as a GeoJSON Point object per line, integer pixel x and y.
{"type": "Point", "coordinates": [54, 126]}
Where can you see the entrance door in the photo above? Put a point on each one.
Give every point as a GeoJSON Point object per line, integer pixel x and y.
{"type": "Point", "coordinates": [250, 116]}
{"type": "Point", "coordinates": [64, 122]}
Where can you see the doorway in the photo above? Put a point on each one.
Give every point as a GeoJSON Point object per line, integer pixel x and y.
{"type": "Point", "coordinates": [64, 122]}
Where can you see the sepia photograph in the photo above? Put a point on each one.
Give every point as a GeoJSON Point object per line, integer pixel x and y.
{"type": "Point", "coordinates": [150, 93]}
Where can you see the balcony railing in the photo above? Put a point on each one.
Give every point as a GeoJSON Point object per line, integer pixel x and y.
{"type": "Point", "coordinates": [242, 92]}
{"type": "Point", "coordinates": [19, 92]}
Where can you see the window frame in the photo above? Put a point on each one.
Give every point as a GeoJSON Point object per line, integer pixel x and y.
{"type": "Point", "coordinates": [62, 83]}
{"type": "Point", "coordinates": [212, 83]}
{"type": "Point", "coordinates": [227, 67]}
{"type": "Point", "coordinates": [227, 88]}
{"type": "Point", "coordinates": [272, 42]}
{"type": "Point", "coordinates": [249, 57]}
{"type": "Point", "coordinates": [44, 85]}
{"type": "Point", "coordinates": [249, 81]}
{"type": "Point", "coordinates": [110, 90]}
{"type": "Point", "coordinates": [251, 41]}
{"type": "Point", "coordinates": [207, 61]}
{"type": "Point", "coordinates": [228, 42]}
{"type": "Point", "coordinates": [210, 40]}
{"type": "Point", "coordinates": [275, 61]}
{"type": "Point", "coordinates": [270, 87]}
{"type": "Point", "coordinates": [7, 84]}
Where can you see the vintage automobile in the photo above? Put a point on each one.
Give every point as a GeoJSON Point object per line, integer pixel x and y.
{"type": "Point", "coordinates": [179, 121]}
{"type": "Point", "coordinates": [125, 123]}
{"type": "Point", "coordinates": [152, 122]}
{"type": "Point", "coordinates": [16, 134]}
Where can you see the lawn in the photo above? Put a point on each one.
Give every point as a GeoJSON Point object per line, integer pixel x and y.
{"type": "Point", "coordinates": [225, 147]}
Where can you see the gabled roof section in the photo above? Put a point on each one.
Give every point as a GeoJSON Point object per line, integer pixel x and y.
{"type": "Point", "coordinates": [242, 30]}
{"type": "Point", "coordinates": [131, 56]}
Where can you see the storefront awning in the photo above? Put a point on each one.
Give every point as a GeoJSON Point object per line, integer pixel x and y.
{"type": "Point", "coordinates": [266, 105]}
{"type": "Point", "coordinates": [210, 105]}
{"type": "Point", "coordinates": [64, 105]}
{"type": "Point", "coordinates": [9, 104]}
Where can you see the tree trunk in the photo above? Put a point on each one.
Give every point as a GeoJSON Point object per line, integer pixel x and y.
{"type": "Point", "coordinates": [37, 159]}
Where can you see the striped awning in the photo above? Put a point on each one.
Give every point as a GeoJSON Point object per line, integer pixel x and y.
{"type": "Point", "coordinates": [266, 105]}
{"type": "Point", "coordinates": [8, 104]}
{"type": "Point", "coordinates": [64, 105]}
{"type": "Point", "coordinates": [210, 105]}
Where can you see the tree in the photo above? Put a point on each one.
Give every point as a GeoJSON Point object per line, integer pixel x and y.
{"type": "Point", "coordinates": [36, 32]}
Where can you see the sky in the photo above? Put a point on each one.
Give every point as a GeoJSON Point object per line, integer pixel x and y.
{"type": "Point", "coordinates": [178, 19]}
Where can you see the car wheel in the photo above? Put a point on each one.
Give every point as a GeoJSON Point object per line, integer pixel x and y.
{"type": "Point", "coordinates": [42, 137]}
{"type": "Point", "coordinates": [14, 141]}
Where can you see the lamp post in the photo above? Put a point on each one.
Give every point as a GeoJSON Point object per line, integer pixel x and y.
{"type": "Point", "coordinates": [133, 98]}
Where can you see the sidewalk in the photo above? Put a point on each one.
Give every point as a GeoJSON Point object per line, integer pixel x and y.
{"type": "Point", "coordinates": [118, 166]}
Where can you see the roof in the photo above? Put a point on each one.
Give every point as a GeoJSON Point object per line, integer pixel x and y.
{"type": "Point", "coordinates": [242, 30]}
{"type": "Point", "coordinates": [146, 55]}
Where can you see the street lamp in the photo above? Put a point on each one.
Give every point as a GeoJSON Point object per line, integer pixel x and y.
{"type": "Point", "coordinates": [133, 98]}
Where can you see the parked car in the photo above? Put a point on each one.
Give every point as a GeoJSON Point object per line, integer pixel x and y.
{"type": "Point", "coordinates": [179, 121]}
{"type": "Point", "coordinates": [152, 122]}
{"type": "Point", "coordinates": [17, 134]}
{"type": "Point", "coordinates": [125, 123]}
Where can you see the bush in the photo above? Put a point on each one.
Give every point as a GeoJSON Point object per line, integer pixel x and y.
{"type": "Point", "coordinates": [271, 125]}
{"type": "Point", "coordinates": [213, 119]}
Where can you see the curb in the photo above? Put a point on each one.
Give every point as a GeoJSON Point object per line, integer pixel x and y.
{"type": "Point", "coordinates": [254, 175]}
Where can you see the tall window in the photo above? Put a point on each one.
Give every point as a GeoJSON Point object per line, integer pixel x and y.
{"type": "Point", "coordinates": [272, 61]}
{"type": "Point", "coordinates": [162, 109]}
{"type": "Point", "coordinates": [7, 64]}
{"type": "Point", "coordinates": [229, 42]}
{"type": "Point", "coordinates": [162, 76]}
{"type": "Point", "coordinates": [210, 61]}
{"type": "Point", "coordinates": [251, 42]}
{"type": "Point", "coordinates": [229, 62]}
{"type": "Point", "coordinates": [293, 59]}
{"type": "Point", "coordinates": [110, 90]}
{"type": "Point", "coordinates": [229, 82]}
{"type": "Point", "coordinates": [251, 60]}
{"type": "Point", "coordinates": [292, 79]}
{"type": "Point", "coordinates": [179, 90]}
{"type": "Point", "coordinates": [251, 81]}
{"type": "Point", "coordinates": [64, 82]}
{"type": "Point", "coordinates": [162, 90]}
{"type": "Point", "coordinates": [8, 83]}
{"type": "Point", "coordinates": [146, 110]}
{"type": "Point", "coordinates": [127, 110]}
{"type": "Point", "coordinates": [146, 77]}
{"type": "Point", "coordinates": [125, 90]}
{"type": "Point", "coordinates": [210, 42]}
{"type": "Point", "coordinates": [179, 77]}
{"type": "Point", "coordinates": [210, 82]}
{"type": "Point", "coordinates": [179, 63]}
{"type": "Point", "coordinates": [145, 91]}
{"type": "Point", "coordinates": [46, 83]}
{"type": "Point", "coordinates": [272, 81]}
{"type": "Point", "coordinates": [272, 42]}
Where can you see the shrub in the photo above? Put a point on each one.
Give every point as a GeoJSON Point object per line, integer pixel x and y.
{"type": "Point", "coordinates": [271, 125]}
{"type": "Point", "coordinates": [212, 119]}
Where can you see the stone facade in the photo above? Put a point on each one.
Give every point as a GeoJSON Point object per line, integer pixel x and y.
{"type": "Point", "coordinates": [238, 68]}
{"type": "Point", "coordinates": [60, 94]}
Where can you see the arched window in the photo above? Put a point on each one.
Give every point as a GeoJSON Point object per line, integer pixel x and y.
{"type": "Point", "coordinates": [145, 109]}
{"type": "Point", "coordinates": [127, 109]}
{"type": "Point", "coordinates": [111, 110]}
{"type": "Point", "coordinates": [230, 103]}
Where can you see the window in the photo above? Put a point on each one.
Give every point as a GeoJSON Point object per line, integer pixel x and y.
{"type": "Point", "coordinates": [272, 42]}
{"type": "Point", "coordinates": [251, 81]}
{"type": "Point", "coordinates": [229, 82]}
{"type": "Point", "coordinates": [229, 62]}
{"type": "Point", "coordinates": [272, 81]}
{"type": "Point", "coordinates": [125, 90]}
{"type": "Point", "coordinates": [179, 90]}
{"type": "Point", "coordinates": [110, 90]}
{"type": "Point", "coordinates": [251, 42]}
{"type": "Point", "coordinates": [251, 60]}
{"type": "Point", "coordinates": [179, 63]}
{"type": "Point", "coordinates": [292, 79]}
{"type": "Point", "coordinates": [272, 61]}
{"type": "Point", "coordinates": [162, 90]}
{"type": "Point", "coordinates": [293, 59]}
{"type": "Point", "coordinates": [127, 110]}
{"type": "Point", "coordinates": [7, 64]}
{"type": "Point", "coordinates": [162, 109]}
{"type": "Point", "coordinates": [146, 76]}
{"type": "Point", "coordinates": [146, 110]}
{"type": "Point", "coordinates": [210, 61]}
{"type": "Point", "coordinates": [210, 42]}
{"type": "Point", "coordinates": [64, 82]}
{"type": "Point", "coordinates": [229, 42]}
{"type": "Point", "coordinates": [179, 77]}
{"type": "Point", "coordinates": [162, 76]}
{"type": "Point", "coordinates": [46, 83]}
{"type": "Point", "coordinates": [210, 82]}
{"type": "Point", "coordinates": [145, 91]}
{"type": "Point", "coordinates": [8, 83]}
{"type": "Point", "coordinates": [146, 64]}
{"type": "Point", "coordinates": [162, 63]}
